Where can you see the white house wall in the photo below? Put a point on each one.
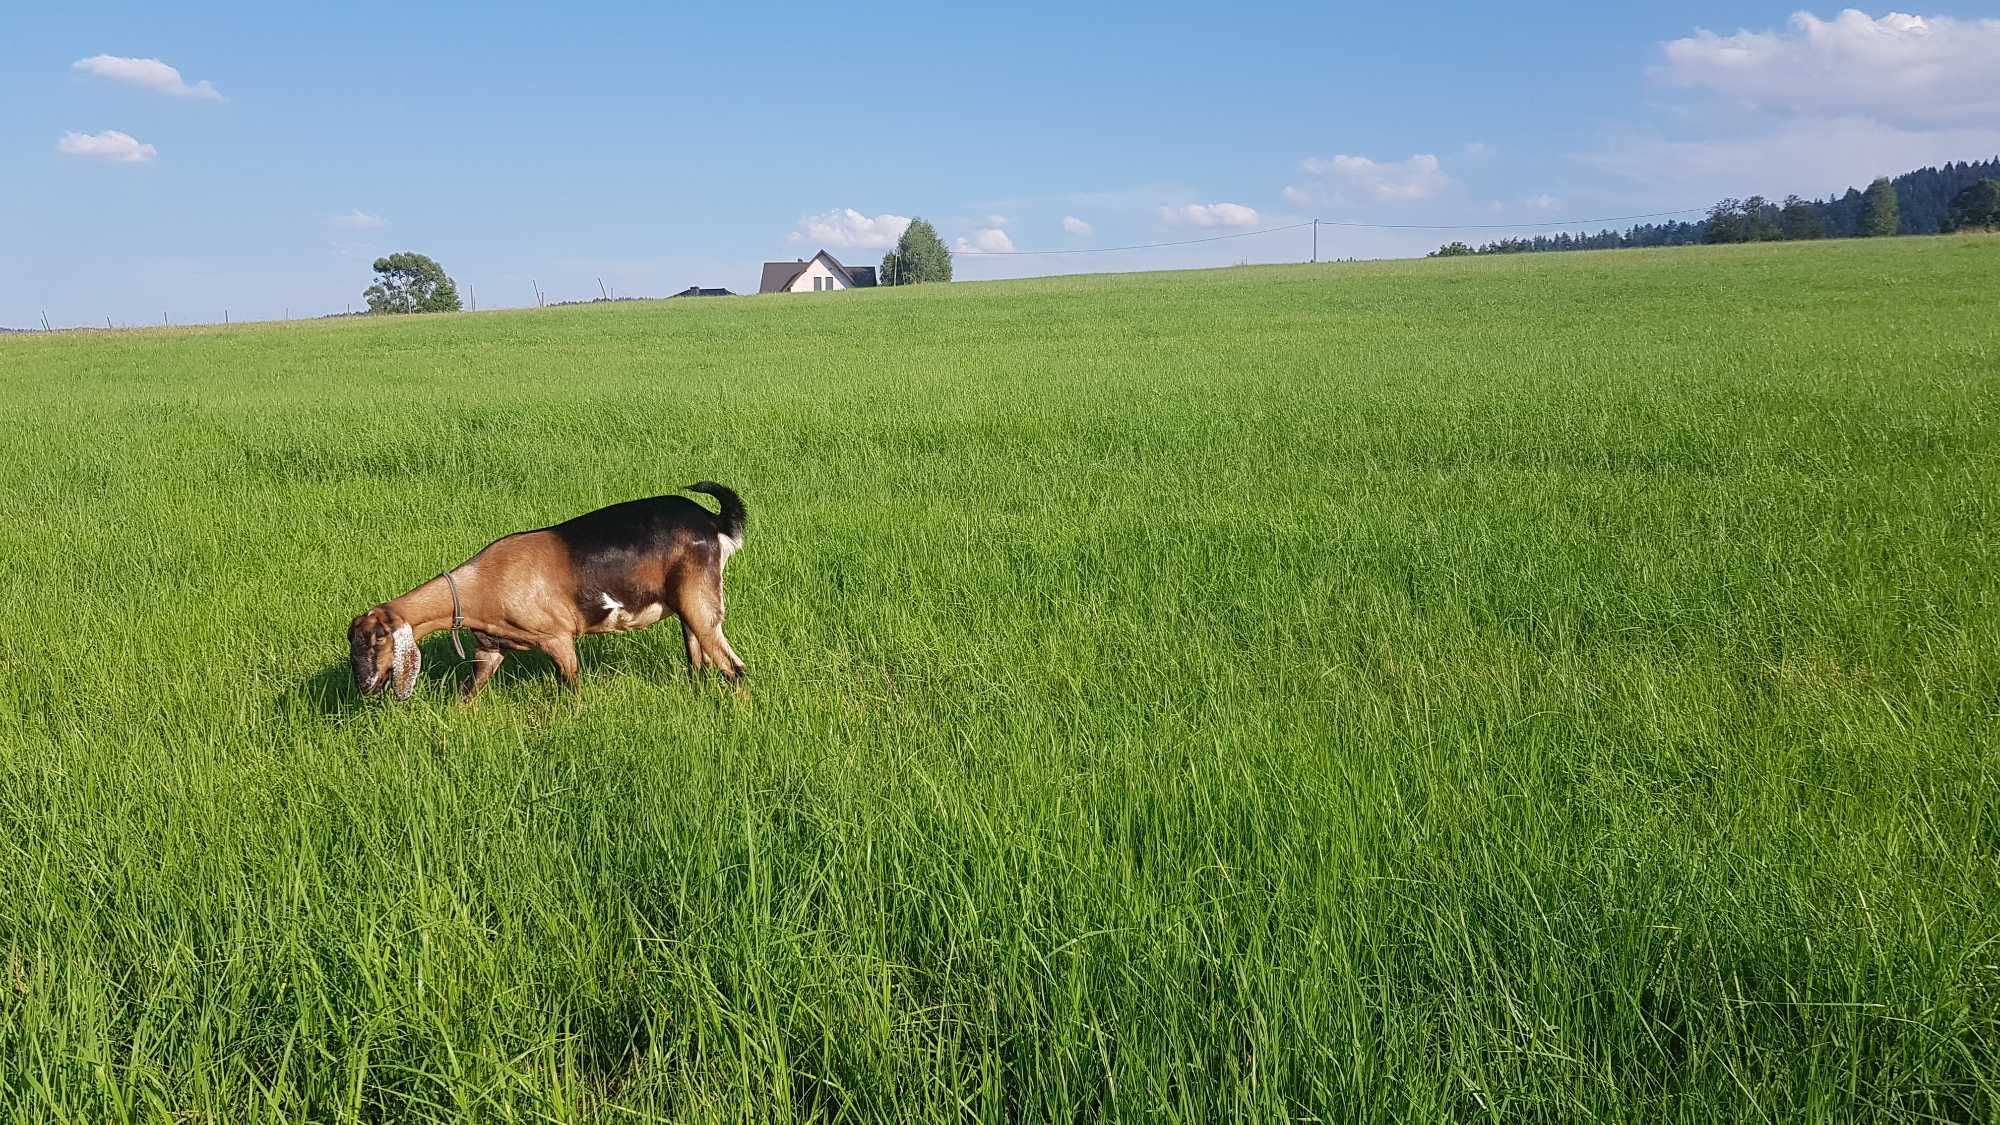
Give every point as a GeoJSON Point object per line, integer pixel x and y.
{"type": "Point", "coordinates": [805, 282]}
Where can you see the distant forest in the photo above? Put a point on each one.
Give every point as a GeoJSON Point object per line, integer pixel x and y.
{"type": "Point", "coordinates": [1923, 200]}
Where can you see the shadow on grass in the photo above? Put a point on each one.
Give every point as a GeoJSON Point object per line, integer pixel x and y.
{"type": "Point", "coordinates": [330, 691]}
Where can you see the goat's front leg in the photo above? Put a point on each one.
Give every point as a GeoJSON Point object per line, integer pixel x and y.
{"type": "Point", "coordinates": [562, 650]}
{"type": "Point", "coordinates": [485, 662]}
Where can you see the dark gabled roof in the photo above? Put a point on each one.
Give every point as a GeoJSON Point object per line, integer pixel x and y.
{"type": "Point", "coordinates": [698, 291]}
{"type": "Point", "coordinates": [778, 276]}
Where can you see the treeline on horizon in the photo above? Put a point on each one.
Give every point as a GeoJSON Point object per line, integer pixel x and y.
{"type": "Point", "coordinates": [1923, 202]}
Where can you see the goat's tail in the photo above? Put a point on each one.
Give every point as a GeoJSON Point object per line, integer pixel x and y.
{"type": "Point", "coordinates": [729, 521]}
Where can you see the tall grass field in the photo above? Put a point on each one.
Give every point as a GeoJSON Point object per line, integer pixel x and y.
{"type": "Point", "coordinates": [1558, 688]}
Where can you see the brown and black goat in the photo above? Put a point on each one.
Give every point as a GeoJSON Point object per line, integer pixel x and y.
{"type": "Point", "coordinates": [610, 571]}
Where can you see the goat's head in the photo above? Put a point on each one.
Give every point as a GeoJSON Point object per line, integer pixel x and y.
{"type": "Point", "coordinates": [382, 649]}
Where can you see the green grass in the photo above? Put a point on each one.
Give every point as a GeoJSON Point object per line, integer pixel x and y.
{"type": "Point", "coordinates": [1564, 688]}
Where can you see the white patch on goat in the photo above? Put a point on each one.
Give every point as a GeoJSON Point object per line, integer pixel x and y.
{"type": "Point", "coordinates": [727, 545]}
{"type": "Point", "coordinates": [404, 641]}
{"type": "Point", "coordinates": [611, 604]}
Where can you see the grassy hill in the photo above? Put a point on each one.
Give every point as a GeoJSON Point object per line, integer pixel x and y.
{"type": "Point", "coordinates": [1556, 688]}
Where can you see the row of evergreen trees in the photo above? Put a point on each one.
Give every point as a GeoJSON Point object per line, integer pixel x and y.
{"type": "Point", "coordinates": [1919, 202]}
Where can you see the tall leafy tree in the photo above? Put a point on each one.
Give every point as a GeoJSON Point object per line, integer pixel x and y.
{"type": "Point", "coordinates": [1761, 219]}
{"type": "Point", "coordinates": [1879, 209]}
{"type": "Point", "coordinates": [920, 256]}
{"type": "Point", "coordinates": [1726, 222]}
{"type": "Point", "coordinates": [1798, 219]}
{"type": "Point", "coordinates": [1975, 208]}
{"type": "Point", "coordinates": [407, 282]}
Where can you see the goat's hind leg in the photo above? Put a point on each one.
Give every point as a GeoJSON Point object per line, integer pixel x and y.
{"type": "Point", "coordinates": [738, 668]}
{"type": "Point", "coordinates": [703, 619]}
{"type": "Point", "coordinates": [696, 658]}
{"type": "Point", "coordinates": [562, 650]}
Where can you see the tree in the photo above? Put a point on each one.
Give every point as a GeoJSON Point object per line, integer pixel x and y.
{"type": "Point", "coordinates": [1843, 216]}
{"type": "Point", "coordinates": [1452, 250]}
{"type": "Point", "coordinates": [919, 256]}
{"type": "Point", "coordinates": [1726, 222]}
{"type": "Point", "coordinates": [1761, 220]}
{"type": "Point", "coordinates": [1801, 220]}
{"type": "Point", "coordinates": [1878, 209]}
{"type": "Point", "coordinates": [406, 282]}
{"type": "Point", "coordinates": [1975, 208]}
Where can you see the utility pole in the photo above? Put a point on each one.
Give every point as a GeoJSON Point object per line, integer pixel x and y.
{"type": "Point", "coordinates": [1315, 241]}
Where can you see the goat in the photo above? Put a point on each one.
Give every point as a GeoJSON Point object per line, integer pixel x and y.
{"type": "Point", "coordinates": [609, 571]}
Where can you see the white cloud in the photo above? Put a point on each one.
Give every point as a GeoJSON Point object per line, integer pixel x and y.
{"type": "Point", "coordinates": [1903, 68]}
{"type": "Point", "coordinates": [357, 219]}
{"type": "Point", "coordinates": [1807, 156]}
{"type": "Point", "coordinates": [1211, 215]}
{"type": "Point", "coordinates": [1297, 196]}
{"type": "Point", "coordinates": [1836, 102]}
{"type": "Point", "coordinates": [848, 227]}
{"type": "Point", "coordinates": [1076, 226]}
{"type": "Point", "coordinates": [151, 74]}
{"type": "Point", "coordinates": [1419, 177]}
{"type": "Point", "coordinates": [112, 145]}
{"type": "Point", "coordinates": [989, 240]}
{"type": "Point", "coordinates": [1542, 202]}
{"type": "Point", "coordinates": [1479, 148]}
{"type": "Point", "coordinates": [994, 221]}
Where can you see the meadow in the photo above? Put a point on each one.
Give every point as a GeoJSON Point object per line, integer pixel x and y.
{"type": "Point", "coordinates": [1552, 688]}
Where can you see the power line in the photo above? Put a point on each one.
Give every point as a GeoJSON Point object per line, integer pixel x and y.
{"type": "Point", "coordinates": [972, 253]}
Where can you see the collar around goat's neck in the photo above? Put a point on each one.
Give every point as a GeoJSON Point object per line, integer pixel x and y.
{"type": "Point", "coordinates": [457, 615]}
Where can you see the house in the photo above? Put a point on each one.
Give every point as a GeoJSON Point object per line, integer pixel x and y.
{"type": "Point", "coordinates": [698, 291]}
{"type": "Point", "coordinates": [817, 274]}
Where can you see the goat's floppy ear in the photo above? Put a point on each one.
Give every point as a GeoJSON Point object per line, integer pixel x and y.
{"type": "Point", "coordinates": [409, 661]}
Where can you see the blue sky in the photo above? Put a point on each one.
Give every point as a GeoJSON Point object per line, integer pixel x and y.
{"type": "Point", "coordinates": [267, 157]}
